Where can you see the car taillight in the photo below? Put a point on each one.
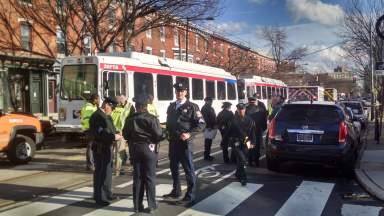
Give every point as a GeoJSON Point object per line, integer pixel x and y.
{"type": "Point", "coordinates": [272, 129]}
{"type": "Point", "coordinates": [342, 132]}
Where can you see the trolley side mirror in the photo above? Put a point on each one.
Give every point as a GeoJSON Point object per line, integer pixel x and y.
{"type": "Point", "coordinates": [105, 85]}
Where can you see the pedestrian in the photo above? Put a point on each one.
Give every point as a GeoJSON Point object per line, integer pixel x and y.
{"type": "Point", "coordinates": [224, 118]}
{"type": "Point", "coordinates": [242, 137]}
{"type": "Point", "coordinates": [101, 127]}
{"type": "Point", "coordinates": [152, 107]}
{"type": "Point", "coordinates": [258, 113]}
{"type": "Point", "coordinates": [85, 114]}
{"type": "Point", "coordinates": [184, 121]}
{"type": "Point", "coordinates": [143, 132]}
{"type": "Point", "coordinates": [210, 130]}
{"type": "Point", "coordinates": [276, 107]}
{"type": "Point", "coordinates": [123, 110]}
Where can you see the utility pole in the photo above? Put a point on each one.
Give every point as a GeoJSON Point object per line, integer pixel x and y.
{"type": "Point", "coordinates": [372, 75]}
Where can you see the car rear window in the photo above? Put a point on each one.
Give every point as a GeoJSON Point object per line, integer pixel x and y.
{"type": "Point", "coordinates": [309, 113]}
{"type": "Point", "coordinates": [356, 107]}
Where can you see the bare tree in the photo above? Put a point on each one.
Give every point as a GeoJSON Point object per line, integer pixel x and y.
{"type": "Point", "coordinates": [277, 37]}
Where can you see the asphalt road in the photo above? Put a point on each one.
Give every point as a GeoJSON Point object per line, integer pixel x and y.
{"type": "Point", "coordinates": [297, 189]}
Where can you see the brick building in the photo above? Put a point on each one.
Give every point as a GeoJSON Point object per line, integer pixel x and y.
{"type": "Point", "coordinates": [29, 49]}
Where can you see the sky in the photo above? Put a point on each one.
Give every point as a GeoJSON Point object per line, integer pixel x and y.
{"type": "Point", "coordinates": [315, 24]}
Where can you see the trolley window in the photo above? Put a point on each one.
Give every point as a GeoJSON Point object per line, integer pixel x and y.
{"type": "Point", "coordinates": [116, 83]}
{"type": "Point", "coordinates": [143, 83]}
{"type": "Point", "coordinates": [264, 90]}
{"type": "Point", "coordinates": [269, 91]}
{"type": "Point", "coordinates": [250, 91]}
{"type": "Point", "coordinates": [197, 89]}
{"type": "Point", "coordinates": [258, 90]}
{"type": "Point", "coordinates": [231, 91]}
{"type": "Point", "coordinates": [241, 89]}
{"type": "Point", "coordinates": [221, 91]}
{"type": "Point", "coordinates": [164, 87]}
{"type": "Point", "coordinates": [210, 89]}
{"type": "Point", "coordinates": [78, 81]}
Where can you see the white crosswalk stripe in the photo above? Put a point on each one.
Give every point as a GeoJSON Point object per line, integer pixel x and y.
{"type": "Point", "coordinates": [223, 201]}
{"type": "Point", "coordinates": [359, 210]}
{"type": "Point", "coordinates": [309, 199]}
{"type": "Point", "coordinates": [51, 204]}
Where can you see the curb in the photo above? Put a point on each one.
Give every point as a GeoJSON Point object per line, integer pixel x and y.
{"type": "Point", "coordinates": [364, 180]}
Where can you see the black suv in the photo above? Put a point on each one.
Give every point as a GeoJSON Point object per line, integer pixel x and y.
{"type": "Point", "coordinates": [317, 132]}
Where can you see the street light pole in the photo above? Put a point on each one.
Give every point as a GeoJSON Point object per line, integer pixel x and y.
{"type": "Point", "coordinates": [372, 75]}
{"type": "Point", "coordinates": [186, 41]}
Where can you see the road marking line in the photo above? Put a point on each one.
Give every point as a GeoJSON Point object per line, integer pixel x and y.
{"type": "Point", "coordinates": [165, 160]}
{"type": "Point", "coordinates": [224, 177]}
{"type": "Point", "coordinates": [125, 206]}
{"type": "Point", "coordinates": [223, 201]}
{"type": "Point", "coordinates": [359, 210]}
{"type": "Point", "coordinates": [51, 204]}
{"type": "Point", "coordinates": [164, 171]}
{"type": "Point", "coordinates": [309, 199]}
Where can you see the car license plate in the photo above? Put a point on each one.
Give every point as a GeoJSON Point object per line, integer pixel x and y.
{"type": "Point", "coordinates": [308, 138]}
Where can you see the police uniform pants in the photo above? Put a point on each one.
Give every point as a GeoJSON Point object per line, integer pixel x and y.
{"type": "Point", "coordinates": [254, 153]}
{"type": "Point", "coordinates": [241, 160]}
{"type": "Point", "coordinates": [102, 176]}
{"type": "Point", "coordinates": [180, 153]}
{"type": "Point", "coordinates": [224, 146]}
{"type": "Point", "coordinates": [144, 175]}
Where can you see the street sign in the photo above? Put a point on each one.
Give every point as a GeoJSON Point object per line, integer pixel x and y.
{"type": "Point", "coordinates": [379, 68]}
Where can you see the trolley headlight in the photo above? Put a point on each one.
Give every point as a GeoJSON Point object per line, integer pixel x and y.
{"type": "Point", "coordinates": [62, 114]}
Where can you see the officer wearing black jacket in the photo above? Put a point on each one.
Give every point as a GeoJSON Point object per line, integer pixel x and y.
{"type": "Point", "coordinates": [143, 131]}
{"type": "Point", "coordinates": [224, 118]}
{"type": "Point", "coordinates": [241, 135]}
{"type": "Point", "coordinates": [210, 130]}
{"type": "Point", "coordinates": [184, 120]}
{"type": "Point", "coordinates": [258, 113]}
{"type": "Point", "coordinates": [101, 127]}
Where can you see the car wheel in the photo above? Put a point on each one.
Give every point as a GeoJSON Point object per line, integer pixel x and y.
{"type": "Point", "coordinates": [22, 150]}
{"type": "Point", "coordinates": [272, 164]}
{"type": "Point", "coordinates": [348, 167]}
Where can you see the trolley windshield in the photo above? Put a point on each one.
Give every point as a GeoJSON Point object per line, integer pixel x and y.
{"type": "Point", "coordinates": [78, 81]}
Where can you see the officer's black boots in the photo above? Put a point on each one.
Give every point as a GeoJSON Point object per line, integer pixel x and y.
{"type": "Point", "coordinates": [173, 195]}
{"type": "Point", "coordinates": [207, 150]}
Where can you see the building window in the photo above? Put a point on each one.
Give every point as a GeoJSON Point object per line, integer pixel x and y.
{"type": "Point", "coordinates": [221, 93]}
{"type": "Point", "coordinates": [60, 41]}
{"type": "Point", "coordinates": [176, 37]}
{"type": "Point", "coordinates": [26, 36]}
{"type": "Point", "coordinates": [148, 50]}
{"type": "Point", "coordinates": [231, 91]}
{"type": "Point", "coordinates": [112, 47]}
{"type": "Point", "coordinates": [111, 15]}
{"type": "Point", "coordinates": [197, 42]}
{"type": "Point", "coordinates": [206, 45]}
{"type": "Point", "coordinates": [143, 83]}
{"type": "Point", "coordinates": [162, 34]}
{"type": "Point", "coordinates": [162, 54]}
{"type": "Point", "coordinates": [87, 45]}
{"type": "Point", "coordinates": [164, 87]}
{"type": "Point", "coordinates": [197, 89]}
{"type": "Point", "coordinates": [148, 33]}
{"type": "Point", "coordinates": [210, 89]}
{"type": "Point", "coordinates": [222, 48]}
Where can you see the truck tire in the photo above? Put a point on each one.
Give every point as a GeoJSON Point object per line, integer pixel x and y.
{"type": "Point", "coordinates": [22, 150]}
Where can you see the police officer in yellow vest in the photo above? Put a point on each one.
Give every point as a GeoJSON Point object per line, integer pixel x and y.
{"type": "Point", "coordinates": [151, 107]}
{"type": "Point", "coordinates": [85, 114]}
{"type": "Point", "coordinates": [119, 115]}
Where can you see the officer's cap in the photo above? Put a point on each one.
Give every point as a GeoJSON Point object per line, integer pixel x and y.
{"type": "Point", "coordinates": [241, 106]}
{"type": "Point", "coordinates": [141, 99]}
{"type": "Point", "coordinates": [110, 101]}
{"type": "Point", "coordinates": [252, 98]}
{"type": "Point", "coordinates": [208, 99]}
{"type": "Point", "coordinates": [226, 105]}
{"type": "Point", "coordinates": [179, 86]}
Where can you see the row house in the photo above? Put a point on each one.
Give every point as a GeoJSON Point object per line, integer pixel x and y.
{"type": "Point", "coordinates": [30, 54]}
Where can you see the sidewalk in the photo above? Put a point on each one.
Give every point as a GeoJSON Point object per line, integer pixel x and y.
{"type": "Point", "coordinates": [370, 168]}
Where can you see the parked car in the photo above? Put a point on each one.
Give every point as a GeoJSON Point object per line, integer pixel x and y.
{"type": "Point", "coordinates": [317, 132]}
{"type": "Point", "coordinates": [358, 112]}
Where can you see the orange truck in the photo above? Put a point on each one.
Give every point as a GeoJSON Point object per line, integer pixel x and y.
{"type": "Point", "coordinates": [20, 133]}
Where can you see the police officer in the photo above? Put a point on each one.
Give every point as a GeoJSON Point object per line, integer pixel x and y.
{"type": "Point", "coordinates": [241, 135]}
{"type": "Point", "coordinates": [258, 113]}
{"type": "Point", "coordinates": [85, 114]}
{"type": "Point", "coordinates": [104, 133]}
{"type": "Point", "coordinates": [184, 120]}
{"type": "Point", "coordinates": [143, 131]}
{"type": "Point", "coordinates": [210, 130]}
{"type": "Point", "coordinates": [152, 107]}
{"type": "Point", "coordinates": [224, 119]}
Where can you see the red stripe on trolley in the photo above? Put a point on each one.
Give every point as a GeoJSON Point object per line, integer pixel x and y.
{"type": "Point", "coordinates": [156, 71]}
